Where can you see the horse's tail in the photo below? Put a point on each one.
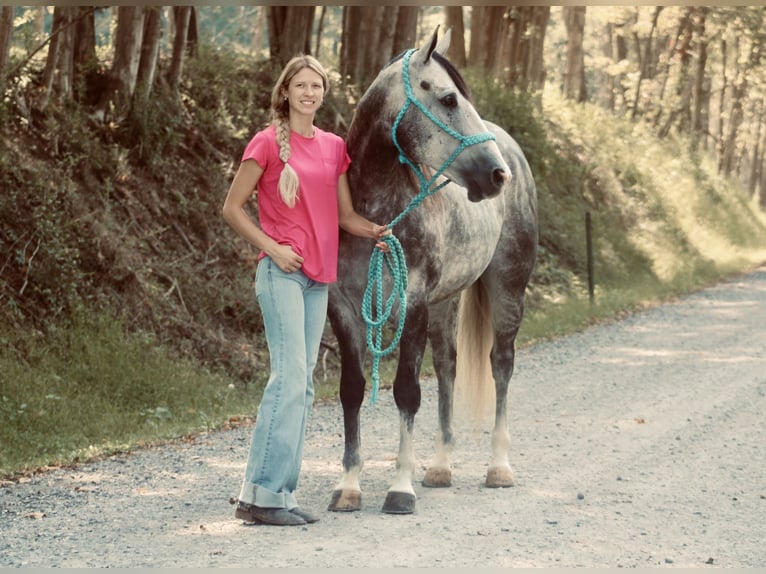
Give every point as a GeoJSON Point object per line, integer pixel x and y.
{"type": "Point", "coordinates": [474, 383]}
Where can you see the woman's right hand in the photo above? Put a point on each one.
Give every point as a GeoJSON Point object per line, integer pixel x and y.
{"type": "Point", "coordinates": [286, 259]}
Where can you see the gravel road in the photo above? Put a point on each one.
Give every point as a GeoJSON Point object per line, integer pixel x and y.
{"type": "Point", "coordinates": [636, 444]}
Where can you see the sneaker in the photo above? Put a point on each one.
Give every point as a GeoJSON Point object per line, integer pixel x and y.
{"type": "Point", "coordinates": [259, 515]}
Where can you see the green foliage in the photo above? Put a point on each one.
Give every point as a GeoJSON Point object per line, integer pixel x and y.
{"type": "Point", "coordinates": [228, 95]}
{"type": "Point", "coordinates": [86, 389]}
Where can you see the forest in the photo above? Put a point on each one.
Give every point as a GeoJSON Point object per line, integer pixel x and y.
{"type": "Point", "coordinates": [693, 69]}
{"type": "Point", "coordinates": [121, 128]}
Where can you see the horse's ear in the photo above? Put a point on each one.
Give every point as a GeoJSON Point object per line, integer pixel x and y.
{"type": "Point", "coordinates": [443, 44]}
{"type": "Point", "coordinates": [432, 45]}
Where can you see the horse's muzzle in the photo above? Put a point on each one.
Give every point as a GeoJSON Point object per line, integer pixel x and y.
{"type": "Point", "coordinates": [500, 178]}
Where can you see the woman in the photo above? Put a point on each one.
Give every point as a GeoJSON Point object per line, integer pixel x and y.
{"type": "Point", "coordinates": [303, 197]}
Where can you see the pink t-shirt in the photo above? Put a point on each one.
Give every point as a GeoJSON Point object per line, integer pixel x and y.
{"type": "Point", "coordinates": [311, 226]}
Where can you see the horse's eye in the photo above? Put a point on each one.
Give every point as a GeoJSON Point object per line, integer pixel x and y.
{"type": "Point", "coordinates": [449, 101]}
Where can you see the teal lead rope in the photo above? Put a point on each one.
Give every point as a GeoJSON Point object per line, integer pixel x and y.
{"type": "Point", "coordinates": [394, 259]}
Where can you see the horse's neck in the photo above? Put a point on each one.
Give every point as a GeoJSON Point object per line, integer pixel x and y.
{"type": "Point", "coordinates": [379, 183]}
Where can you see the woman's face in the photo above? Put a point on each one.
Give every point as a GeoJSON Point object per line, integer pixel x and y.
{"type": "Point", "coordinates": [305, 92]}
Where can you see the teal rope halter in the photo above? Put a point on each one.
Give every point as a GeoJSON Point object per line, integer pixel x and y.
{"type": "Point", "coordinates": [395, 260]}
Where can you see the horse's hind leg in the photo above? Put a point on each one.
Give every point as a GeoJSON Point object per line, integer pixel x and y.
{"type": "Point", "coordinates": [442, 335]}
{"type": "Point", "coordinates": [507, 322]}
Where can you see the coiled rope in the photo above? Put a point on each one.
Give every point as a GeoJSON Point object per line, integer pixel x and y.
{"type": "Point", "coordinates": [394, 260]}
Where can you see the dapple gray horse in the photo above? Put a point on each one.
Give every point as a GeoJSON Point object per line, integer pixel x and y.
{"type": "Point", "coordinates": [470, 249]}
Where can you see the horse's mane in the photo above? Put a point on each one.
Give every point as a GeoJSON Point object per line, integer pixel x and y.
{"type": "Point", "coordinates": [449, 68]}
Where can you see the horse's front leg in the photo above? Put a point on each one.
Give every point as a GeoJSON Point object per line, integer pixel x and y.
{"type": "Point", "coordinates": [401, 497]}
{"type": "Point", "coordinates": [347, 495]}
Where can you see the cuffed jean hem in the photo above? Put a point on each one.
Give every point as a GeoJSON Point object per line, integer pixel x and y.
{"type": "Point", "coordinates": [259, 496]}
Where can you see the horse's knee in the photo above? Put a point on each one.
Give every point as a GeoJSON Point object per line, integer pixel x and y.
{"type": "Point", "coordinates": [407, 398]}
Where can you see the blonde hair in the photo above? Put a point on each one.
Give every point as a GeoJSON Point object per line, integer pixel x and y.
{"type": "Point", "coordinates": [280, 118]}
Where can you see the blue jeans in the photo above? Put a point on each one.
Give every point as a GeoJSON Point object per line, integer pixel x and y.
{"type": "Point", "coordinates": [294, 310]}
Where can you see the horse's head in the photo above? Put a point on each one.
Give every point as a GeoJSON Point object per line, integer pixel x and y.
{"type": "Point", "coordinates": [436, 126]}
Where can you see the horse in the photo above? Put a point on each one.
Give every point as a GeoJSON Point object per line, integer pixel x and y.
{"type": "Point", "coordinates": [470, 248]}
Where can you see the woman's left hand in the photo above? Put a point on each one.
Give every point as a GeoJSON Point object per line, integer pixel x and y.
{"type": "Point", "coordinates": [381, 231]}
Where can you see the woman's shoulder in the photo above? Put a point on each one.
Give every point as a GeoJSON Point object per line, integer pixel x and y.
{"type": "Point", "coordinates": [329, 137]}
{"type": "Point", "coordinates": [267, 133]}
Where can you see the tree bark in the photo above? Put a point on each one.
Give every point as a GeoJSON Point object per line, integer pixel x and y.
{"type": "Point", "coordinates": [755, 164]}
{"type": "Point", "coordinates": [84, 57]}
{"type": "Point", "coordinates": [320, 30]}
{"type": "Point", "coordinates": [181, 17]}
{"type": "Point", "coordinates": [127, 51]}
{"type": "Point", "coordinates": [59, 64]}
{"type": "Point", "coordinates": [522, 54]}
{"type": "Point", "coordinates": [645, 61]}
{"type": "Point", "coordinates": [574, 76]}
{"type": "Point", "coordinates": [150, 51]}
{"type": "Point", "coordinates": [372, 26]}
{"type": "Point", "coordinates": [479, 45]}
{"type": "Point", "coordinates": [454, 20]}
{"type": "Point", "coordinates": [536, 68]}
{"type": "Point", "coordinates": [372, 36]}
{"type": "Point", "coordinates": [406, 29]}
{"type": "Point", "coordinates": [290, 30]}
{"type": "Point", "coordinates": [6, 33]}
{"type": "Point", "coordinates": [259, 27]}
{"type": "Point", "coordinates": [699, 95]}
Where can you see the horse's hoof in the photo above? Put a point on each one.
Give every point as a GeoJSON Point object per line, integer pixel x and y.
{"type": "Point", "coordinates": [499, 477]}
{"type": "Point", "coordinates": [438, 477]}
{"type": "Point", "coordinates": [399, 503]}
{"type": "Point", "coordinates": [345, 501]}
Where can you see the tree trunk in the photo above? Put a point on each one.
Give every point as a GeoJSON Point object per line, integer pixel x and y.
{"type": "Point", "coordinates": [454, 20]}
{"type": "Point", "coordinates": [721, 105]}
{"type": "Point", "coordinates": [192, 34]}
{"type": "Point", "coordinates": [84, 58]}
{"type": "Point", "coordinates": [762, 178]}
{"type": "Point", "coordinates": [489, 28]}
{"type": "Point", "coordinates": [478, 51]}
{"type": "Point", "coordinates": [372, 36]}
{"type": "Point", "coordinates": [699, 95]}
{"type": "Point", "coordinates": [259, 27]}
{"type": "Point", "coordinates": [371, 32]}
{"type": "Point", "coordinates": [644, 62]}
{"type": "Point", "coordinates": [522, 54]}
{"type": "Point", "coordinates": [290, 30]}
{"type": "Point", "coordinates": [320, 30]}
{"type": "Point", "coordinates": [181, 17]}
{"type": "Point", "coordinates": [535, 75]}
{"type": "Point", "coordinates": [150, 51]}
{"type": "Point", "coordinates": [752, 183]}
{"type": "Point", "coordinates": [385, 43]}
{"type": "Point", "coordinates": [6, 33]}
{"type": "Point", "coordinates": [127, 52]}
{"type": "Point", "coordinates": [735, 121]}
{"type": "Point", "coordinates": [406, 29]}
{"type": "Point", "coordinates": [574, 76]}
{"type": "Point", "coordinates": [59, 64]}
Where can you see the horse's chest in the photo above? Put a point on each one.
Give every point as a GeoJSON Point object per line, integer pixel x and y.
{"type": "Point", "coordinates": [461, 244]}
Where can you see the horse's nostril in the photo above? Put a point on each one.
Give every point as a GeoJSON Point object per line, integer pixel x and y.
{"type": "Point", "coordinates": [500, 177]}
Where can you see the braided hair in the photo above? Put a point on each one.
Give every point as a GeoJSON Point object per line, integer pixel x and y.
{"type": "Point", "coordinates": [280, 118]}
